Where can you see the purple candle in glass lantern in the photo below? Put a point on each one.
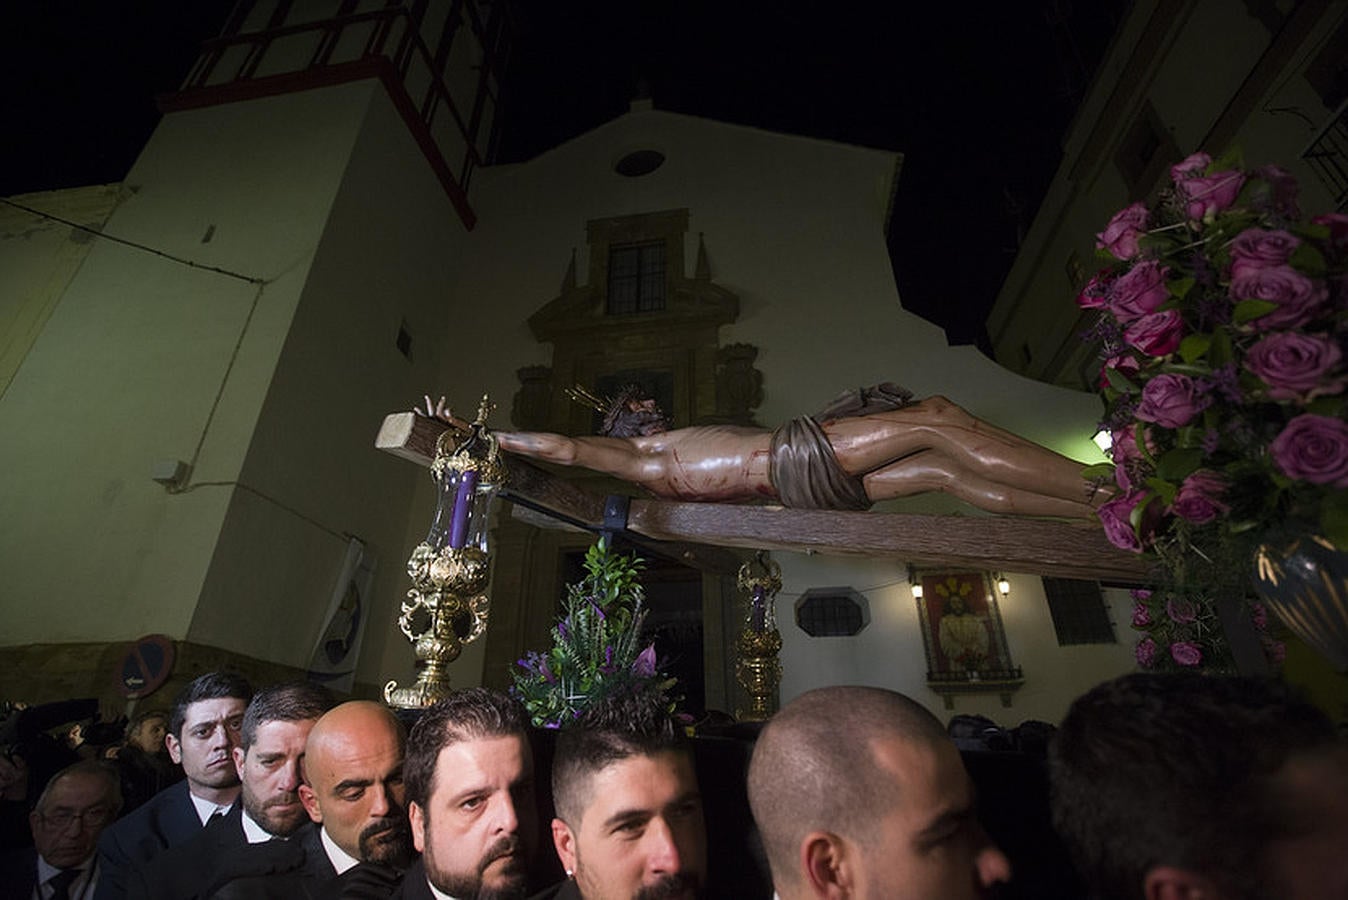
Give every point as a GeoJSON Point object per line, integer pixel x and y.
{"type": "Point", "coordinates": [463, 502]}
{"type": "Point", "coordinates": [758, 610]}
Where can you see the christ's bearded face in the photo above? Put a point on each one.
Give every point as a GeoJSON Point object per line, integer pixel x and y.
{"type": "Point", "coordinates": [638, 418]}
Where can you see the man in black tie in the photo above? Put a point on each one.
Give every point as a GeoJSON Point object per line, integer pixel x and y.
{"type": "Point", "coordinates": [203, 732]}
{"type": "Point", "coordinates": [70, 814]}
{"type": "Point", "coordinates": [267, 831]}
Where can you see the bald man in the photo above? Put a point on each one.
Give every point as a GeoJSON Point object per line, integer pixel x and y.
{"type": "Point", "coordinates": [353, 772]}
{"type": "Point", "coordinates": [859, 793]}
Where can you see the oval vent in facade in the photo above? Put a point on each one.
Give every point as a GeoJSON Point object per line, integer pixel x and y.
{"type": "Point", "coordinates": [639, 162]}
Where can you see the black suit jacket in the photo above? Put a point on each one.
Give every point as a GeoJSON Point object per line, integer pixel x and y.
{"type": "Point", "coordinates": [219, 854]}
{"type": "Point", "coordinates": [414, 885]}
{"type": "Point", "coordinates": [311, 876]}
{"type": "Point", "coordinates": [166, 820]}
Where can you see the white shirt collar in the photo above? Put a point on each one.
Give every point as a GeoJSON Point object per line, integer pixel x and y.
{"type": "Point", "coordinates": [207, 808]}
{"type": "Point", "coordinates": [80, 886]}
{"type": "Point", "coordinates": [340, 859]}
{"type": "Point", "coordinates": [255, 833]}
{"type": "Point", "coordinates": [436, 892]}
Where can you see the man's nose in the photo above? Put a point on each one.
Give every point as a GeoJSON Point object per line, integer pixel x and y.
{"type": "Point", "coordinates": [380, 805]}
{"type": "Point", "coordinates": [290, 775]}
{"type": "Point", "coordinates": [507, 816]}
{"type": "Point", "coordinates": [662, 849]}
{"type": "Point", "coordinates": [993, 866]}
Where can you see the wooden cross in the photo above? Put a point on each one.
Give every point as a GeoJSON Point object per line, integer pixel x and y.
{"type": "Point", "coordinates": [987, 543]}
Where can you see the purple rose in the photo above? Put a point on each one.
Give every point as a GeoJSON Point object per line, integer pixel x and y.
{"type": "Point", "coordinates": [1145, 653]}
{"type": "Point", "coordinates": [1170, 401]}
{"type": "Point", "coordinates": [1255, 248]}
{"type": "Point", "coordinates": [1157, 334]}
{"type": "Point", "coordinates": [1140, 594]}
{"type": "Point", "coordinates": [1193, 166]}
{"type": "Point", "coordinates": [1298, 297]}
{"type": "Point", "coordinates": [1186, 653]}
{"type": "Point", "coordinates": [1205, 195]}
{"type": "Point", "coordinates": [1139, 291]}
{"type": "Point", "coordinates": [1181, 611]}
{"type": "Point", "coordinates": [1141, 615]}
{"type": "Point", "coordinates": [1198, 499]}
{"type": "Point", "coordinates": [1129, 463]}
{"type": "Point", "coordinates": [1124, 364]}
{"type": "Point", "coordinates": [1313, 448]}
{"type": "Point", "coordinates": [1093, 295]}
{"type": "Point", "coordinates": [1296, 365]}
{"type": "Point", "coordinates": [1115, 515]}
{"type": "Point", "coordinates": [1121, 234]}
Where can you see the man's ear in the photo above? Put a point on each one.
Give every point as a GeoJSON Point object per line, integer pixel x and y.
{"type": "Point", "coordinates": [1174, 883]}
{"type": "Point", "coordinates": [175, 748]}
{"type": "Point", "coordinates": [238, 754]}
{"type": "Point", "coordinates": [310, 801]}
{"type": "Point", "coordinates": [565, 842]}
{"type": "Point", "coordinates": [417, 817]}
{"type": "Point", "coordinates": [826, 870]}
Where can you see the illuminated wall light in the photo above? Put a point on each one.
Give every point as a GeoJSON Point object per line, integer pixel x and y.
{"type": "Point", "coordinates": [1104, 440]}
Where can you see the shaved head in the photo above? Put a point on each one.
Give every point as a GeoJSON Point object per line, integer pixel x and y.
{"type": "Point", "coordinates": [353, 768]}
{"type": "Point", "coordinates": [815, 767]}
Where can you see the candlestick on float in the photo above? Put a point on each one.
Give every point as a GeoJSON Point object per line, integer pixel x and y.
{"type": "Point", "coordinates": [447, 606]}
{"type": "Point", "coordinates": [757, 667]}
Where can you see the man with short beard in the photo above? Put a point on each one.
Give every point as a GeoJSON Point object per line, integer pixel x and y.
{"type": "Point", "coordinates": [243, 842]}
{"type": "Point", "coordinates": [469, 776]}
{"type": "Point", "coordinates": [629, 820]}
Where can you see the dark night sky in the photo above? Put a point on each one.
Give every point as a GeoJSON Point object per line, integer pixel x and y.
{"type": "Point", "coordinates": [977, 97]}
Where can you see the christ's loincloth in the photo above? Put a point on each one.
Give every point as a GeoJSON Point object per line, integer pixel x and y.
{"type": "Point", "coordinates": [803, 468]}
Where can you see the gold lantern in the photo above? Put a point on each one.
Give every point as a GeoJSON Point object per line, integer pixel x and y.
{"type": "Point", "coordinates": [447, 606]}
{"type": "Point", "coordinates": [757, 667]}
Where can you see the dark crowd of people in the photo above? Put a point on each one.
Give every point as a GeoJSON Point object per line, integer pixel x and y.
{"type": "Point", "coordinates": [1163, 787]}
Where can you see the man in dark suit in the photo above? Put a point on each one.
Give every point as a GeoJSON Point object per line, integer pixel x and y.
{"type": "Point", "coordinates": [858, 792]}
{"type": "Point", "coordinates": [71, 812]}
{"type": "Point", "coordinates": [245, 842]}
{"type": "Point", "coordinates": [203, 732]}
{"type": "Point", "coordinates": [629, 812]}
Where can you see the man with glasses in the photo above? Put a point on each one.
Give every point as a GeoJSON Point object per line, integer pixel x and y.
{"type": "Point", "coordinates": [72, 811]}
{"type": "Point", "coordinates": [203, 732]}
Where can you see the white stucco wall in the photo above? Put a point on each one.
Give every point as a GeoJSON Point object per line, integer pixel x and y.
{"type": "Point", "coordinates": [146, 358]}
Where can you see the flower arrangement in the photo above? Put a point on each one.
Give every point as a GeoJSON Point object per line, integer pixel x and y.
{"type": "Point", "coordinates": [596, 649]}
{"type": "Point", "coordinates": [1179, 631]}
{"type": "Point", "coordinates": [1223, 324]}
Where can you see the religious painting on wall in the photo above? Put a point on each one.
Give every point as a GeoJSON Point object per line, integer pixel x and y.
{"type": "Point", "coordinates": [962, 628]}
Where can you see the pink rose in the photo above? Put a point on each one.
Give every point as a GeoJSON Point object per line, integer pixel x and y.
{"type": "Point", "coordinates": [1193, 166]}
{"type": "Point", "coordinates": [1140, 594]}
{"type": "Point", "coordinates": [1141, 615]}
{"type": "Point", "coordinates": [1313, 448]}
{"type": "Point", "coordinates": [1115, 515]}
{"type": "Point", "coordinates": [1181, 611]}
{"type": "Point", "coordinates": [1198, 499]}
{"type": "Point", "coordinates": [1129, 463]}
{"type": "Point", "coordinates": [1170, 401]}
{"type": "Point", "coordinates": [1121, 234]}
{"type": "Point", "coordinates": [1145, 653]}
{"type": "Point", "coordinates": [1296, 365]}
{"type": "Point", "coordinates": [1205, 195]}
{"type": "Point", "coordinates": [1093, 295]}
{"type": "Point", "coordinates": [1298, 297]}
{"type": "Point", "coordinates": [1186, 653]}
{"type": "Point", "coordinates": [1158, 334]}
{"type": "Point", "coordinates": [1124, 364]}
{"type": "Point", "coordinates": [1255, 248]}
{"type": "Point", "coordinates": [1139, 291]}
